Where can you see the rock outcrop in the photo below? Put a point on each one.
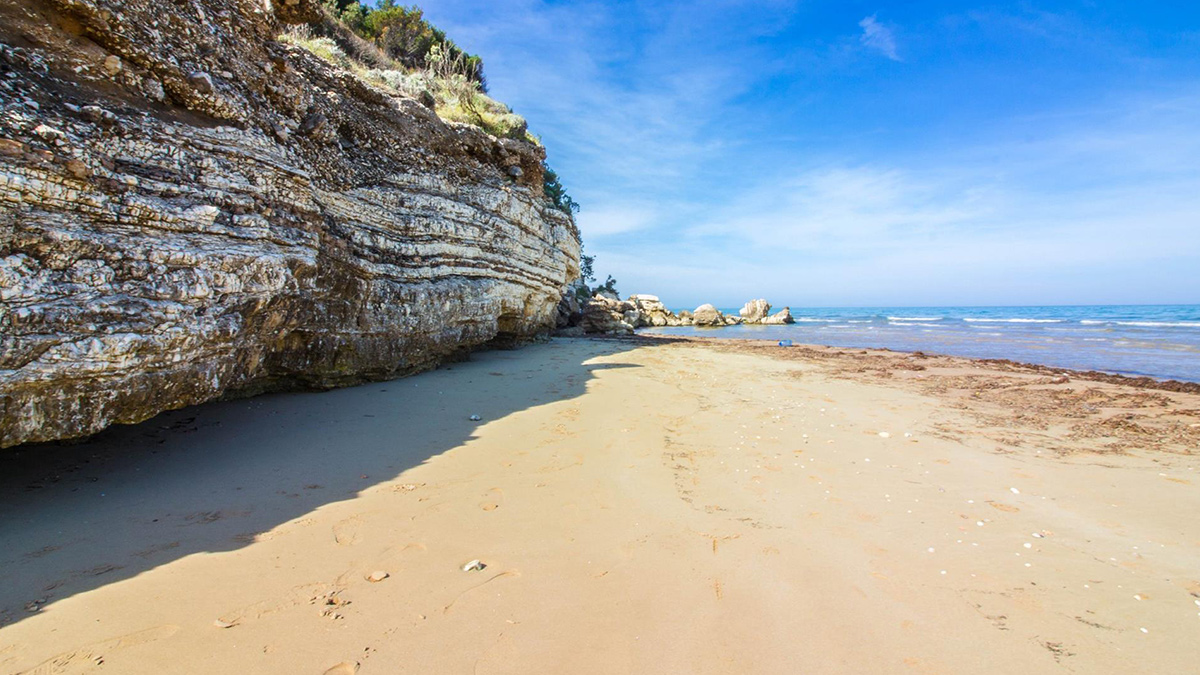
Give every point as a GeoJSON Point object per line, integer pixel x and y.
{"type": "Point", "coordinates": [653, 312]}
{"type": "Point", "coordinates": [755, 311]}
{"type": "Point", "coordinates": [191, 209]}
{"type": "Point", "coordinates": [707, 316]}
{"type": "Point", "coordinates": [783, 316]}
{"type": "Point", "coordinates": [604, 315]}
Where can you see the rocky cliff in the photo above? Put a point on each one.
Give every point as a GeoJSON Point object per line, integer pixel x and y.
{"type": "Point", "coordinates": [191, 209]}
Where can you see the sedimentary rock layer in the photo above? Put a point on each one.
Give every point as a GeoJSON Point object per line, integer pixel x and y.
{"type": "Point", "coordinates": [190, 209]}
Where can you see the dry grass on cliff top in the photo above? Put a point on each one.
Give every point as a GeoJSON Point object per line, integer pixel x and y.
{"type": "Point", "coordinates": [455, 97]}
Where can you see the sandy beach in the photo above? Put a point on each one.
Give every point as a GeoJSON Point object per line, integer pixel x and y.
{"type": "Point", "coordinates": [637, 506]}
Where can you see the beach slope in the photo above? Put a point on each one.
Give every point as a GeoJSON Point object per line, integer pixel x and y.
{"type": "Point", "coordinates": [636, 506]}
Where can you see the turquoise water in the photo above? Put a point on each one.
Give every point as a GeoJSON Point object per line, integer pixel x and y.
{"type": "Point", "coordinates": [1161, 341]}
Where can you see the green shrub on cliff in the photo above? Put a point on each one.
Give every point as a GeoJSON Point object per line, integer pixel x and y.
{"type": "Point", "coordinates": [403, 34]}
{"type": "Point", "coordinates": [456, 98]}
{"type": "Point", "coordinates": [587, 274]}
{"type": "Point", "coordinates": [556, 194]}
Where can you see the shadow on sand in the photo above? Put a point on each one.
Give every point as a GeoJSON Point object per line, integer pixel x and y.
{"type": "Point", "coordinates": [209, 478]}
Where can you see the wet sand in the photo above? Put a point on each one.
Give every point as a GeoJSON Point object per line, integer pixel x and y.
{"type": "Point", "coordinates": [639, 506]}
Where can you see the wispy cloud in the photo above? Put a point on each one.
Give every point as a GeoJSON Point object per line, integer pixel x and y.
{"type": "Point", "coordinates": [721, 155]}
{"type": "Point", "coordinates": [615, 220]}
{"type": "Point", "coordinates": [878, 37]}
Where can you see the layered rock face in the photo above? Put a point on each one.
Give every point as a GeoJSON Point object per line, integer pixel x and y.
{"type": "Point", "coordinates": [190, 209]}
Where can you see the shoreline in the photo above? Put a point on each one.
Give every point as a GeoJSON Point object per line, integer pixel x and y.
{"type": "Point", "coordinates": [640, 504]}
{"type": "Point", "coordinates": [822, 351]}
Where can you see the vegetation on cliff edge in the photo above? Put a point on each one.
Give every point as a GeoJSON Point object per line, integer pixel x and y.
{"type": "Point", "coordinates": [393, 47]}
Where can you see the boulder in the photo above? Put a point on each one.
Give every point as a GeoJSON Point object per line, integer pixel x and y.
{"type": "Point", "coordinates": [653, 311]}
{"type": "Point", "coordinates": [648, 303]}
{"type": "Point", "coordinates": [755, 311]}
{"type": "Point", "coordinates": [604, 315]}
{"type": "Point", "coordinates": [783, 316]}
{"type": "Point", "coordinates": [731, 320]}
{"type": "Point", "coordinates": [707, 315]}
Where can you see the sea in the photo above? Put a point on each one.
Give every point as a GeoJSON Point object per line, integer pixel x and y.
{"type": "Point", "coordinates": [1159, 341]}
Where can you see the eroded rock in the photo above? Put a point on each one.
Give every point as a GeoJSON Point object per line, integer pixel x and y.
{"type": "Point", "coordinates": [153, 260]}
{"type": "Point", "coordinates": [707, 315]}
{"type": "Point", "coordinates": [755, 311]}
{"type": "Point", "coordinates": [605, 315]}
{"type": "Point", "coordinates": [783, 316]}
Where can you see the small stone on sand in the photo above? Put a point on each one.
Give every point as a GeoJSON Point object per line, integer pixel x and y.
{"type": "Point", "coordinates": [473, 565]}
{"type": "Point", "coordinates": [377, 576]}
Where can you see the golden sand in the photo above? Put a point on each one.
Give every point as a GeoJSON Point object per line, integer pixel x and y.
{"type": "Point", "coordinates": [634, 507]}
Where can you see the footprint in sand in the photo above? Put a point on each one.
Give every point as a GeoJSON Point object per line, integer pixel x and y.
{"type": "Point", "coordinates": [297, 595]}
{"type": "Point", "coordinates": [343, 668]}
{"type": "Point", "coordinates": [345, 533]}
{"type": "Point", "coordinates": [494, 497]}
{"type": "Point", "coordinates": [95, 652]}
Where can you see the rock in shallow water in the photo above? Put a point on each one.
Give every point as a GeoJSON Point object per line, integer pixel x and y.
{"type": "Point", "coordinates": [707, 315]}
{"type": "Point", "coordinates": [755, 311]}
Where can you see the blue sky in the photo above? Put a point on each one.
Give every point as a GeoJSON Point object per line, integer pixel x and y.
{"type": "Point", "coordinates": [850, 153]}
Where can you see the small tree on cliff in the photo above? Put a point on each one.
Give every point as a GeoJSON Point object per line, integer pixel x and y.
{"type": "Point", "coordinates": [556, 194]}
{"type": "Point", "coordinates": [609, 285]}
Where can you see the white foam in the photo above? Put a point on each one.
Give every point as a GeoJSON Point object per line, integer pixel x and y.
{"type": "Point", "coordinates": [1161, 324]}
{"type": "Point", "coordinates": [1015, 320]}
{"type": "Point", "coordinates": [915, 318]}
{"type": "Point", "coordinates": [809, 319]}
{"type": "Point", "coordinates": [1142, 324]}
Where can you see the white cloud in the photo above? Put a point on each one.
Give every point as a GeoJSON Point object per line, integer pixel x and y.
{"type": "Point", "coordinates": [694, 190]}
{"type": "Point", "coordinates": [878, 37]}
{"type": "Point", "coordinates": [1100, 208]}
{"type": "Point", "coordinates": [621, 219]}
